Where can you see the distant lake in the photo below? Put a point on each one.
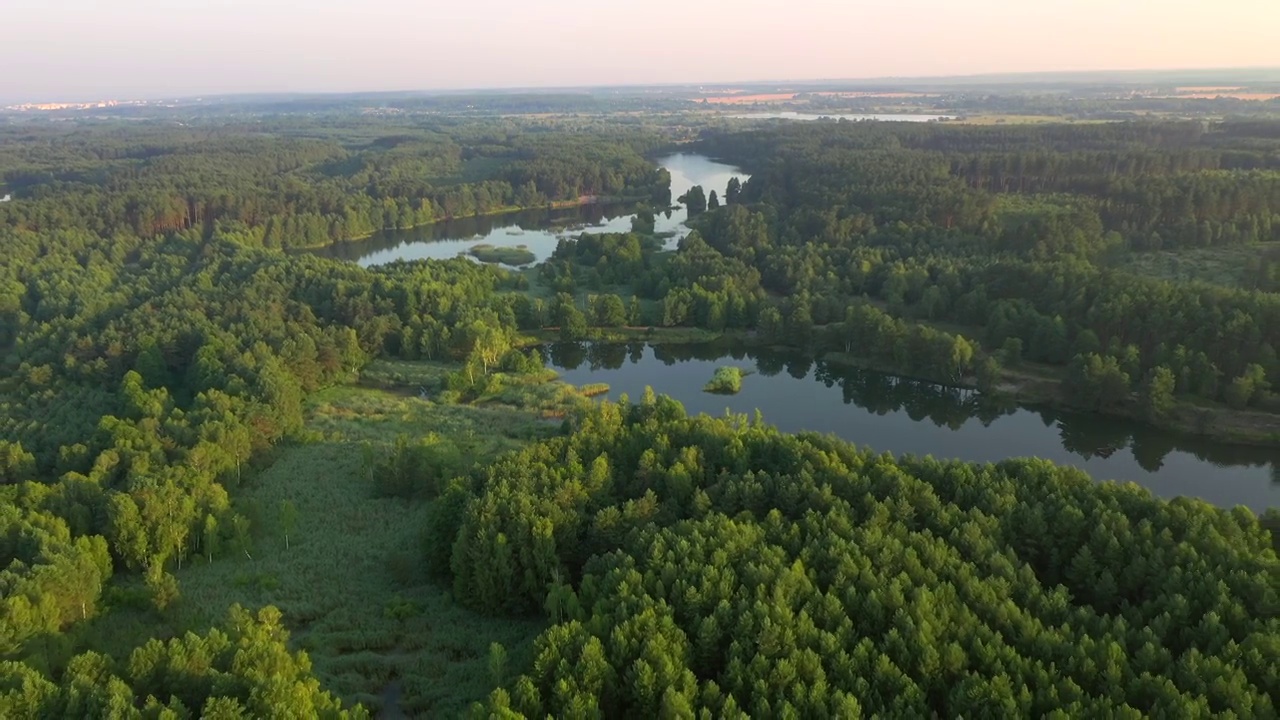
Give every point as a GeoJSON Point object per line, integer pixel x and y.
{"type": "Point", "coordinates": [791, 115]}
{"type": "Point", "coordinates": [538, 230]}
{"type": "Point", "coordinates": [901, 415]}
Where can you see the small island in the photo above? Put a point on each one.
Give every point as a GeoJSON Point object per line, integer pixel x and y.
{"type": "Point", "coordinates": [515, 256]}
{"type": "Point", "coordinates": [726, 381]}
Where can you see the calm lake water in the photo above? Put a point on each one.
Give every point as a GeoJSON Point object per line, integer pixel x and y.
{"type": "Point", "coordinates": [792, 115]}
{"type": "Point", "coordinates": [903, 416]}
{"type": "Point", "coordinates": [538, 230]}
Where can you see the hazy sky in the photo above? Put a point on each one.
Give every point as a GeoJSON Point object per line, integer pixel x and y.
{"type": "Point", "coordinates": [90, 49]}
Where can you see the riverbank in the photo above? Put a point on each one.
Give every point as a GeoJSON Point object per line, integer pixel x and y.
{"type": "Point", "coordinates": [1030, 385]}
{"type": "Point", "coordinates": [1187, 417]}
{"type": "Point", "coordinates": [667, 335]}
{"type": "Point", "coordinates": [1027, 385]}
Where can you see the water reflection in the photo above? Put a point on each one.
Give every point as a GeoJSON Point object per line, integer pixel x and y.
{"type": "Point", "coordinates": [904, 415]}
{"type": "Point", "coordinates": [538, 230]}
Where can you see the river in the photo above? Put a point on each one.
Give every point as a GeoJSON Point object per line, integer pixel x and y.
{"type": "Point", "coordinates": [539, 231]}
{"type": "Point", "coordinates": [888, 413]}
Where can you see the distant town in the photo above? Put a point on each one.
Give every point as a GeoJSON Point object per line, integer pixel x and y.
{"type": "Point", "coordinates": [95, 105]}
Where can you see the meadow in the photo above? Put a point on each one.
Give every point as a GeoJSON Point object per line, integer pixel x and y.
{"type": "Point", "coordinates": [345, 565]}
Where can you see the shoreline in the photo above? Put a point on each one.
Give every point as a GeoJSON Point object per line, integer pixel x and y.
{"type": "Point", "coordinates": [1187, 419]}
{"type": "Point", "coordinates": [510, 210]}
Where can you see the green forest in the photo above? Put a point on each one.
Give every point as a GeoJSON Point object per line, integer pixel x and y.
{"type": "Point", "coordinates": [238, 479]}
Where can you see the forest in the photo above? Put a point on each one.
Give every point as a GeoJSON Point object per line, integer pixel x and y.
{"type": "Point", "coordinates": [291, 184]}
{"type": "Point", "coordinates": [986, 255]}
{"type": "Point", "coordinates": [717, 568]}
{"type": "Point", "coordinates": [202, 428]}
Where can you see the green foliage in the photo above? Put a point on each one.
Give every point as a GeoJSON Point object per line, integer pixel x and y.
{"type": "Point", "coordinates": [573, 324]}
{"type": "Point", "coordinates": [1097, 382]}
{"type": "Point", "coordinates": [694, 565]}
{"type": "Point", "coordinates": [420, 468]}
{"type": "Point", "coordinates": [155, 346]}
{"type": "Point", "coordinates": [726, 381]}
{"type": "Point", "coordinates": [48, 580]}
{"type": "Point", "coordinates": [695, 200]}
{"type": "Point", "coordinates": [609, 311]}
{"type": "Point", "coordinates": [239, 669]}
{"type": "Point", "coordinates": [514, 256]}
{"type": "Point", "coordinates": [367, 621]}
{"type": "Point", "coordinates": [1156, 396]}
{"type": "Point", "coordinates": [998, 230]}
{"type": "Point", "coordinates": [288, 519]}
{"type": "Point", "coordinates": [911, 348]}
{"type": "Point", "coordinates": [307, 184]}
{"type": "Point", "coordinates": [733, 193]}
{"type": "Point", "coordinates": [1248, 388]}
{"type": "Point", "coordinates": [643, 222]}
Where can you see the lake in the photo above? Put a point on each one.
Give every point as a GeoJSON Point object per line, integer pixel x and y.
{"type": "Point", "coordinates": [810, 116]}
{"type": "Point", "coordinates": [538, 230]}
{"type": "Point", "coordinates": [904, 416]}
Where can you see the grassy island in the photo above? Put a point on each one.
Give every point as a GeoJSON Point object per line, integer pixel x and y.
{"type": "Point", "coordinates": [515, 256]}
{"type": "Point", "coordinates": [726, 381]}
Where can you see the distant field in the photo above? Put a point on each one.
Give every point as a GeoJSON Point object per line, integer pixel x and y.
{"type": "Point", "coordinates": [998, 119]}
{"type": "Point", "coordinates": [1211, 93]}
{"type": "Point", "coordinates": [740, 99]}
{"type": "Point", "coordinates": [748, 99]}
{"type": "Point", "coordinates": [865, 94]}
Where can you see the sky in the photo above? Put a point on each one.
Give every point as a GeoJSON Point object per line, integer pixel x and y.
{"type": "Point", "coordinates": [52, 50]}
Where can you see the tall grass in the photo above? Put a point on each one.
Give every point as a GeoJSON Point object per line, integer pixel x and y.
{"type": "Point", "coordinates": [351, 588]}
{"type": "Point", "coordinates": [351, 582]}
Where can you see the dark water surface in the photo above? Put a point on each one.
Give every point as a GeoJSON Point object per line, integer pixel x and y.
{"type": "Point", "coordinates": [899, 415]}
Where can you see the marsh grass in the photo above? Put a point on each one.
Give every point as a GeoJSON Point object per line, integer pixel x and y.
{"type": "Point", "coordinates": [593, 389]}
{"type": "Point", "coordinates": [351, 582]}
{"type": "Point", "coordinates": [405, 375]}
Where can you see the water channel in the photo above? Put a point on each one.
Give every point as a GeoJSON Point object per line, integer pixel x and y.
{"type": "Point", "coordinates": [899, 415]}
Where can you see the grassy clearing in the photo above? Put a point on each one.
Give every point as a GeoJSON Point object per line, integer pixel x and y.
{"type": "Point", "coordinates": [351, 588]}
{"type": "Point", "coordinates": [1220, 265]}
{"type": "Point", "coordinates": [350, 578]}
{"type": "Point", "coordinates": [357, 415]}
{"type": "Point", "coordinates": [403, 376]}
{"type": "Point", "coordinates": [538, 396]}
{"type": "Point", "coordinates": [510, 405]}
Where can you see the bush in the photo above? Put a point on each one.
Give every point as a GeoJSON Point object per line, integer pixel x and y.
{"type": "Point", "coordinates": [726, 381]}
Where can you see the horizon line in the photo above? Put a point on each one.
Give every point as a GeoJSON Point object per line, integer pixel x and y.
{"type": "Point", "coordinates": [1048, 75]}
